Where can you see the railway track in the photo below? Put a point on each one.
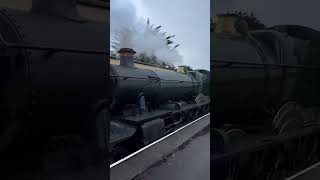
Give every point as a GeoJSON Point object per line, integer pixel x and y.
{"type": "Point", "coordinates": [134, 164]}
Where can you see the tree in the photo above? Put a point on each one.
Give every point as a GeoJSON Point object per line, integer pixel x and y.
{"type": "Point", "coordinates": [157, 29]}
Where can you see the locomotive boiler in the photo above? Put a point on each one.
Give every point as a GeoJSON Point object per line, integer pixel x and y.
{"type": "Point", "coordinates": [53, 81]}
{"type": "Point", "coordinates": [265, 69]}
{"type": "Point", "coordinates": [158, 86]}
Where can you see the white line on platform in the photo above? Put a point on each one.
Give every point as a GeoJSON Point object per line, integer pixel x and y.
{"type": "Point", "coordinates": [155, 142]}
{"type": "Point", "coordinates": [303, 171]}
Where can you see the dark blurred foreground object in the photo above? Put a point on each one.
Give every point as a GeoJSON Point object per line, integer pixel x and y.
{"type": "Point", "coordinates": [265, 94]}
{"type": "Point", "coordinates": [266, 69]}
{"type": "Point", "coordinates": [54, 95]}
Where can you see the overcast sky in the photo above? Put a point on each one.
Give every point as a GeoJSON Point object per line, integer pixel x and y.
{"type": "Point", "coordinates": [188, 20]}
{"type": "Point", "coordinates": [273, 12]}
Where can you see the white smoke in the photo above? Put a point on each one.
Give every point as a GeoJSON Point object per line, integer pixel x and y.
{"type": "Point", "coordinates": [130, 31]}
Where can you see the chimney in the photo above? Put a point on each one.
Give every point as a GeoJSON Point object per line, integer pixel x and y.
{"type": "Point", "coordinates": [126, 57]}
{"type": "Point", "coordinates": [61, 8]}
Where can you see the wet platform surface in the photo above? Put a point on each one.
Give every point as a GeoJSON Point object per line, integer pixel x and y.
{"type": "Point", "coordinates": [191, 161]}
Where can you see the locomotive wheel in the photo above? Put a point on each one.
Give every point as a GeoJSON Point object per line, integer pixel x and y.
{"type": "Point", "coordinates": [297, 158]}
{"type": "Point", "coordinates": [304, 151]}
{"type": "Point", "coordinates": [277, 165]}
{"type": "Point", "coordinates": [13, 77]}
{"type": "Point", "coordinates": [313, 145]}
{"type": "Point", "coordinates": [183, 117]}
{"type": "Point", "coordinates": [177, 119]}
{"type": "Point", "coordinates": [221, 141]}
{"type": "Point", "coordinates": [288, 155]}
{"type": "Point", "coordinates": [9, 127]}
{"type": "Point", "coordinates": [14, 100]}
{"type": "Point", "coordinates": [288, 118]}
{"type": "Point", "coordinates": [102, 126]}
{"type": "Point", "coordinates": [257, 161]}
{"type": "Point", "coordinates": [233, 170]}
{"type": "Point", "coordinates": [200, 99]}
{"type": "Point", "coordinates": [195, 113]}
{"type": "Point", "coordinates": [235, 135]}
{"type": "Point", "coordinates": [266, 165]}
{"type": "Point", "coordinates": [190, 116]}
{"type": "Point", "coordinates": [295, 153]}
{"type": "Point", "coordinates": [205, 109]}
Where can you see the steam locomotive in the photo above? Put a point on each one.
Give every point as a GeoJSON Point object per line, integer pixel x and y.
{"type": "Point", "coordinates": [266, 69]}
{"type": "Point", "coordinates": [54, 87]}
{"type": "Point", "coordinates": [147, 104]}
{"type": "Point", "coordinates": [265, 95]}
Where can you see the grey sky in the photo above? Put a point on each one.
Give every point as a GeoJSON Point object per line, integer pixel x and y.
{"type": "Point", "coordinates": [188, 20]}
{"type": "Point", "coordinates": [273, 12]}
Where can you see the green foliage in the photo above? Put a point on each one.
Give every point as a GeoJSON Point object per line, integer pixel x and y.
{"type": "Point", "coordinates": [253, 22]}
{"type": "Point", "coordinates": [157, 29]}
{"type": "Point", "coordinates": [188, 68]}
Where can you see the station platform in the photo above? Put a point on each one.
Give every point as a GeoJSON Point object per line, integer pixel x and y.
{"type": "Point", "coordinates": [311, 173]}
{"type": "Point", "coordinates": [189, 162]}
{"type": "Point", "coordinates": [185, 154]}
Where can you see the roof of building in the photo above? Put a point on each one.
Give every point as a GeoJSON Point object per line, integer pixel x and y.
{"type": "Point", "coordinates": [147, 64]}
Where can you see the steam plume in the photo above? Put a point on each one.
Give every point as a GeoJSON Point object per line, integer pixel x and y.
{"type": "Point", "coordinates": [130, 31]}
